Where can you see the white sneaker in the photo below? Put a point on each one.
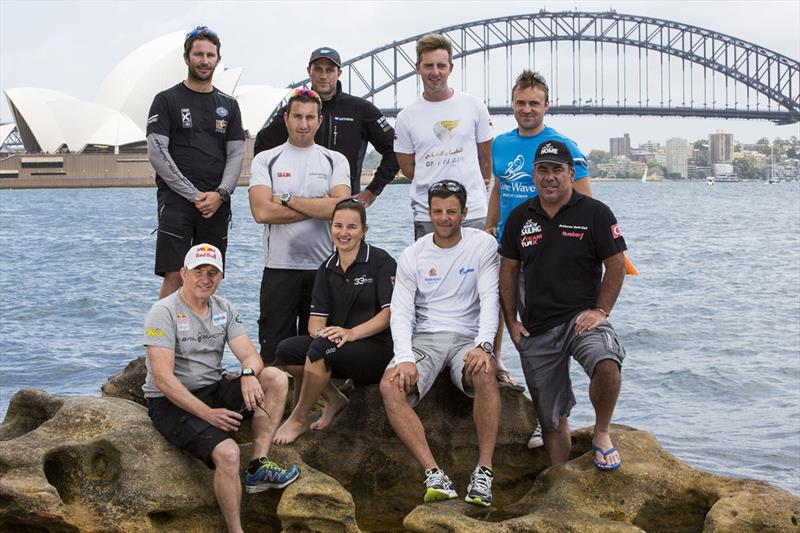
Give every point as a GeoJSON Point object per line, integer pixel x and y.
{"type": "Point", "coordinates": [536, 439]}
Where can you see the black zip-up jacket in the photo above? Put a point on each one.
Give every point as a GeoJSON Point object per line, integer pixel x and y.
{"type": "Point", "coordinates": [350, 123]}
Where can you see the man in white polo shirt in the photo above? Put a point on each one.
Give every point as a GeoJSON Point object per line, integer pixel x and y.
{"type": "Point", "coordinates": [445, 309]}
{"type": "Point", "coordinates": [293, 190]}
{"type": "Point", "coordinates": [445, 134]}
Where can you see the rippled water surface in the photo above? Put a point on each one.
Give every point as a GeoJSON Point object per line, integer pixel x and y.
{"type": "Point", "coordinates": [712, 326]}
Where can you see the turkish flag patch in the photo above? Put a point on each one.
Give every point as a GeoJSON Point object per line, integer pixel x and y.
{"type": "Point", "coordinates": [615, 231]}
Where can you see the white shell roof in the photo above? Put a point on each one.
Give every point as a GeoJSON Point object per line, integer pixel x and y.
{"type": "Point", "coordinates": [118, 115]}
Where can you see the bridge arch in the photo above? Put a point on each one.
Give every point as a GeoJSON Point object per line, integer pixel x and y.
{"type": "Point", "coordinates": [766, 75]}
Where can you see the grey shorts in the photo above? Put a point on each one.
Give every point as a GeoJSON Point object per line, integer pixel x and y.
{"type": "Point", "coordinates": [434, 352]}
{"type": "Point", "coordinates": [423, 227]}
{"type": "Point", "coordinates": [545, 362]}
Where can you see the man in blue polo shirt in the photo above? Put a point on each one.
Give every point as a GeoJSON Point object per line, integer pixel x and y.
{"type": "Point", "coordinates": [568, 249]}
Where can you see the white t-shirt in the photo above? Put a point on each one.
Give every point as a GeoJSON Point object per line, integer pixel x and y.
{"type": "Point", "coordinates": [309, 173]}
{"type": "Point", "coordinates": [446, 289]}
{"type": "Point", "coordinates": [443, 137]}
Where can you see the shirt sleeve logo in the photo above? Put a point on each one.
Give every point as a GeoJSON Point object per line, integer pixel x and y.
{"type": "Point", "coordinates": [158, 332]}
{"type": "Point", "coordinates": [615, 231]}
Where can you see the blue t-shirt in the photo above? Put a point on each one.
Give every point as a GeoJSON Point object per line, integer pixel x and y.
{"type": "Point", "coordinates": [512, 164]}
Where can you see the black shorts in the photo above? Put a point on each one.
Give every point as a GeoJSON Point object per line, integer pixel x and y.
{"type": "Point", "coordinates": [363, 361]}
{"type": "Point", "coordinates": [285, 307]}
{"type": "Point", "coordinates": [181, 226]}
{"type": "Point", "coordinates": [191, 433]}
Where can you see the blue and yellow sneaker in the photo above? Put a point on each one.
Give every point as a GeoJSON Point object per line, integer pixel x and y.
{"type": "Point", "coordinates": [438, 486]}
{"type": "Point", "coordinates": [262, 474]}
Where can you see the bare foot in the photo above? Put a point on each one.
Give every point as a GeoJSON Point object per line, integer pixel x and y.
{"type": "Point", "coordinates": [332, 408]}
{"type": "Point", "coordinates": [289, 431]}
{"type": "Point", "coordinates": [603, 440]}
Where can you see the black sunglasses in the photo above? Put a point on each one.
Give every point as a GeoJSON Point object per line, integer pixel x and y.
{"type": "Point", "coordinates": [448, 185]}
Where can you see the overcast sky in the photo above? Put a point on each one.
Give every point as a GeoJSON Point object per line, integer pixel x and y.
{"type": "Point", "coordinates": [71, 46]}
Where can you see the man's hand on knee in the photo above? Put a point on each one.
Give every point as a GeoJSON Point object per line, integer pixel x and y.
{"type": "Point", "coordinates": [477, 360]}
{"type": "Point", "coordinates": [252, 393]}
{"type": "Point", "coordinates": [405, 376]}
{"type": "Point", "coordinates": [224, 419]}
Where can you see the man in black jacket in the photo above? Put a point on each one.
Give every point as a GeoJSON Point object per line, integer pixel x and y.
{"type": "Point", "coordinates": [348, 124]}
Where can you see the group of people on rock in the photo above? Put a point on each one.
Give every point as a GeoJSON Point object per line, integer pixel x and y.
{"type": "Point", "coordinates": [540, 253]}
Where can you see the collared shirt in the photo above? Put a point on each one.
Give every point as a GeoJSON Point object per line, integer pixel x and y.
{"type": "Point", "coordinates": [350, 298]}
{"type": "Point", "coordinates": [561, 257]}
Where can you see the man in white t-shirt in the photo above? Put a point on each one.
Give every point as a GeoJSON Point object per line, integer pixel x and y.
{"type": "Point", "coordinates": [445, 134]}
{"type": "Point", "coordinates": [293, 190]}
{"type": "Point", "coordinates": [444, 315]}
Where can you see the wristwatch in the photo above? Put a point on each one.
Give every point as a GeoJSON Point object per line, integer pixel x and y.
{"type": "Point", "coordinates": [285, 197]}
{"type": "Point", "coordinates": [224, 195]}
{"type": "Point", "coordinates": [487, 347]}
{"type": "Point", "coordinates": [248, 372]}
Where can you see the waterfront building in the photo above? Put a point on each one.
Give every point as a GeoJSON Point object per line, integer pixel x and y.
{"type": "Point", "coordinates": [677, 156]}
{"type": "Point", "coordinates": [620, 145]}
{"type": "Point", "coordinates": [720, 147]}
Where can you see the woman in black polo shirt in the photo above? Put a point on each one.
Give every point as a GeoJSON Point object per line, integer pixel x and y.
{"type": "Point", "coordinates": [350, 320]}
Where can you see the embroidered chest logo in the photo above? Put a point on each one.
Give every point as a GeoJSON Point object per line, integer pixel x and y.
{"type": "Point", "coordinates": [221, 126]}
{"type": "Point", "coordinates": [361, 280]}
{"type": "Point", "coordinates": [182, 322]}
{"type": "Point", "coordinates": [222, 112]}
{"type": "Point", "coordinates": [186, 117]}
{"type": "Point", "coordinates": [219, 319]}
{"type": "Point", "coordinates": [573, 232]}
{"type": "Point", "coordinates": [284, 174]}
{"type": "Point", "coordinates": [531, 234]}
{"type": "Point", "coordinates": [432, 277]}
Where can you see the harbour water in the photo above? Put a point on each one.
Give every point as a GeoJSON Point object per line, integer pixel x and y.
{"type": "Point", "coordinates": [711, 326]}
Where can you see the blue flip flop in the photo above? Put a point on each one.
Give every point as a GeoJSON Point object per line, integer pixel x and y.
{"type": "Point", "coordinates": [606, 467]}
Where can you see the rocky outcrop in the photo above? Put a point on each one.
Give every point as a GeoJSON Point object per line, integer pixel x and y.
{"type": "Point", "coordinates": [96, 464]}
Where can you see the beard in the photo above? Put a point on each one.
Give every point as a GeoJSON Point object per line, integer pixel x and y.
{"type": "Point", "coordinates": [196, 75]}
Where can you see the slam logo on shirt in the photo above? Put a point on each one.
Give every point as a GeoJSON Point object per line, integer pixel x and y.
{"type": "Point", "coordinates": [444, 129]}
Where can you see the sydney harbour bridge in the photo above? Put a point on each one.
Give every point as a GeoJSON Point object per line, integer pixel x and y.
{"type": "Point", "coordinates": [596, 64]}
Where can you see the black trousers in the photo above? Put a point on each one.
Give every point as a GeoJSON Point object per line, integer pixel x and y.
{"type": "Point", "coordinates": [285, 306]}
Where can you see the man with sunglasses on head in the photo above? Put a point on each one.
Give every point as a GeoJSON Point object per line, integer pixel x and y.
{"type": "Point", "coordinates": [349, 124]}
{"type": "Point", "coordinates": [293, 190]}
{"type": "Point", "coordinates": [188, 400]}
{"type": "Point", "coordinates": [444, 314]}
{"type": "Point", "coordinates": [445, 134]}
{"type": "Point", "coordinates": [195, 143]}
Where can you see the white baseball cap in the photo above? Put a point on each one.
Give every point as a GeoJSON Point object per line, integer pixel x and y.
{"type": "Point", "coordinates": [203, 254]}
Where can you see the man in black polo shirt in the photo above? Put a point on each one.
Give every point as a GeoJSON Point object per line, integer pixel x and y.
{"type": "Point", "coordinates": [349, 124]}
{"type": "Point", "coordinates": [195, 143]}
{"type": "Point", "coordinates": [562, 240]}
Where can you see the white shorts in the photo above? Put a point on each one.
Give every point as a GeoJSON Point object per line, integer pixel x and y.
{"type": "Point", "coordinates": [434, 351]}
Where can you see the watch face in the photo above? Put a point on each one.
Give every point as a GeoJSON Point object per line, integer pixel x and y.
{"type": "Point", "coordinates": [487, 347]}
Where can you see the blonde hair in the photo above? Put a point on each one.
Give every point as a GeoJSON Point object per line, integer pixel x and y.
{"type": "Point", "coordinates": [434, 41]}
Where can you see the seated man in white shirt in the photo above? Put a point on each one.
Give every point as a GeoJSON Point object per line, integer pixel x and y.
{"type": "Point", "coordinates": [444, 315]}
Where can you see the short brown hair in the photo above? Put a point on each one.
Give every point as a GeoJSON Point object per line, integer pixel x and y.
{"type": "Point", "coordinates": [531, 78]}
{"type": "Point", "coordinates": [434, 41]}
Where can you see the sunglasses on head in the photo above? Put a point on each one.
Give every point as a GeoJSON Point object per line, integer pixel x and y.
{"type": "Point", "coordinates": [305, 92]}
{"type": "Point", "coordinates": [448, 185]}
{"type": "Point", "coordinates": [201, 30]}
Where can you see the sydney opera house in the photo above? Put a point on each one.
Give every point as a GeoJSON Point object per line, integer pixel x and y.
{"type": "Point", "coordinates": [72, 142]}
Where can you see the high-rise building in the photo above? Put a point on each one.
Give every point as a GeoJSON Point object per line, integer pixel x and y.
{"type": "Point", "coordinates": [677, 156]}
{"type": "Point", "coordinates": [620, 145]}
{"type": "Point", "coordinates": [720, 147]}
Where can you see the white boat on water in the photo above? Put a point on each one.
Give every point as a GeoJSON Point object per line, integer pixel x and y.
{"type": "Point", "coordinates": [710, 180]}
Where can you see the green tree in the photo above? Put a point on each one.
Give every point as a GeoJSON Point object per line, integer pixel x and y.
{"type": "Point", "coordinates": [750, 168]}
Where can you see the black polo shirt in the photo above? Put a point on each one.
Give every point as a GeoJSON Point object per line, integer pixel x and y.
{"type": "Point", "coordinates": [350, 298]}
{"type": "Point", "coordinates": [561, 257]}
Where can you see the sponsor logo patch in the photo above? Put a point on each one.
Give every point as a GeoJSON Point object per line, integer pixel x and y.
{"type": "Point", "coordinates": [183, 322]}
{"type": "Point", "coordinates": [384, 124]}
{"type": "Point", "coordinates": [361, 280]}
{"type": "Point", "coordinates": [238, 319]}
{"type": "Point", "coordinates": [530, 228]}
{"type": "Point", "coordinates": [284, 174]}
{"type": "Point", "coordinates": [222, 112]}
{"type": "Point", "coordinates": [158, 332]}
{"type": "Point", "coordinates": [615, 231]}
{"type": "Point", "coordinates": [465, 270]}
{"type": "Point", "coordinates": [219, 319]}
{"type": "Point", "coordinates": [186, 117]}
{"type": "Point", "coordinates": [344, 119]}
{"type": "Point", "coordinates": [548, 149]}
{"type": "Point", "coordinates": [221, 126]}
